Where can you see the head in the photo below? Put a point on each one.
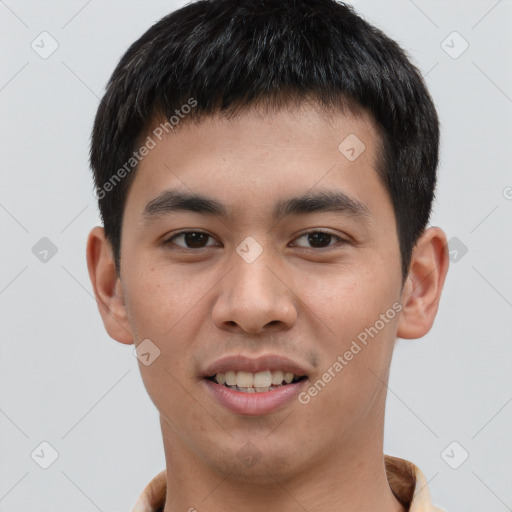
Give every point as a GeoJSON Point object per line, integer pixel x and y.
{"type": "Point", "coordinates": [252, 124]}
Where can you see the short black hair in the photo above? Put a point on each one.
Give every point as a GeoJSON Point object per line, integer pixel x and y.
{"type": "Point", "coordinates": [225, 56]}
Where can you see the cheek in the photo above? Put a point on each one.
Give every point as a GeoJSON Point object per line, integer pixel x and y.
{"type": "Point", "coordinates": [161, 300]}
{"type": "Point", "coordinates": [161, 310]}
{"type": "Point", "coordinates": [347, 300]}
{"type": "Point", "coordinates": [162, 307]}
{"type": "Point", "coordinates": [360, 311]}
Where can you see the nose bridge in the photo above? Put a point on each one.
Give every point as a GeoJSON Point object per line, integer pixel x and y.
{"type": "Point", "coordinates": [253, 295]}
{"type": "Point", "coordinates": [255, 280]}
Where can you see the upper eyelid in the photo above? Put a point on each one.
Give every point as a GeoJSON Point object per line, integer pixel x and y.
{"type": "Point", "coordinates": [169, 238]}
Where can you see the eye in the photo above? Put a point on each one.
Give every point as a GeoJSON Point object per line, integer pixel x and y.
{"type": "Point", "coordinates": [199, 240]}
{"type": "Point", "coordinates": [191, 239]}
{"type": "Point", "coordinates": [318, 239]}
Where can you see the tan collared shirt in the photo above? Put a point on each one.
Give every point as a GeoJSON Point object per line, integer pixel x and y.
{"type": "Point", "coordinates": [405, 479]}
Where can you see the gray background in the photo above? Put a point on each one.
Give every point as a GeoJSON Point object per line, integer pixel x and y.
{"type": "Point", "coordinates": [64, 381]}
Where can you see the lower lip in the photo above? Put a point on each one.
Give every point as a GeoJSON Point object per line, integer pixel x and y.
{"type": "Point", "coordinates": [254, 404]}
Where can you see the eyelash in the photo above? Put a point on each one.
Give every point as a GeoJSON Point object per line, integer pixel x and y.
{"type": "Point", "coordinates": [168, 241]}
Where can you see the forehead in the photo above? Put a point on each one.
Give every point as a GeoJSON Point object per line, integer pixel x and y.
{"type": "Point", "coordinates": [306, 126]}
{"type": "Point", "coordinates": [258, 154]}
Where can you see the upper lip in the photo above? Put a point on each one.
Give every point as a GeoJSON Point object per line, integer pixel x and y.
{"type": "Point", "coordinates": [240, 362]}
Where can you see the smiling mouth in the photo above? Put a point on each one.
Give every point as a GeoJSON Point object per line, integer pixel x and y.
{"type": "Point", "coordinates": [259, 382]}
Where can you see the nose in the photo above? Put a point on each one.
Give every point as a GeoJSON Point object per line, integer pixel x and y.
{"type": "Point", "coordinates": [255, 297]}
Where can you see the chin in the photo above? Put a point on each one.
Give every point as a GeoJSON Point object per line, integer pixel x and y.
{"type": "Point", "coordinates": [258, 461]}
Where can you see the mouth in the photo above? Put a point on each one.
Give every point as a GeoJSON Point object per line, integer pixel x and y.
{"type": "Point", "coordinates": [259, 382]}
{"type": "Point", "coordinates": [254, 385]}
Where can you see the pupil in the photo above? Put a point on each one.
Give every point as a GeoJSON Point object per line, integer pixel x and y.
{"type": "Point", "coordinates": [316, 239]}
{"type": "Point", "coordinates": [194, 239]}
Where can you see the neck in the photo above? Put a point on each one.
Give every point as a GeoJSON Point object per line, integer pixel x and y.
{"type": "Point", "coordinates": [349, 477]}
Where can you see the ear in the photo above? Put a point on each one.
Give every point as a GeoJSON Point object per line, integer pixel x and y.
{"type": "Point", "coordinates": [424, 283]}
{"type": "Point", "coordinates": [107, 287]}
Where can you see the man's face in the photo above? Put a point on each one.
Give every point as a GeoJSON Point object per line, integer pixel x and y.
{"type": "Point", "coordinates": [257, 285]}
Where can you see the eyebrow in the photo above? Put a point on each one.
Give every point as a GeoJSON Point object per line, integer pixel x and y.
{"type": "Point", "coordinates": [171, 201]}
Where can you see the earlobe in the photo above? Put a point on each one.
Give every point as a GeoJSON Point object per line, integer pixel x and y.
{"type": "Point", "coordinates": [424, 284]}
{"type": "Point", "coordinates": [107, 287]}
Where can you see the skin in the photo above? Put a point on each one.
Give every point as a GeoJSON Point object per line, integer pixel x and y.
{"type": "Point", "coordinates": [304, 301]}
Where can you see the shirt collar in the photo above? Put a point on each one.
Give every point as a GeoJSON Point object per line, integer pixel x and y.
{"type": "Point", "coordinates": [409, 485]}
{"type": "Point", "coordinates": [406, 481]}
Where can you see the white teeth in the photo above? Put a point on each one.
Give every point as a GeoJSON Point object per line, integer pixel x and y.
{"type": "Point", "coordinates": [230, 378]}
{"type": "Point", "coordinates": [288, 377]}
{"type": "Point", "coordinates": [277, 377]}
{"type": "Point", "coordinates": [260, 381]}
{"type": "Point", "coordinates": [263, 379]}
{"type": "Point", "coordinates": [244, 379]}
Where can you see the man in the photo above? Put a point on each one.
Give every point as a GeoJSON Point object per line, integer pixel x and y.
{"type": "Point", "coordinates": [265, 172]}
